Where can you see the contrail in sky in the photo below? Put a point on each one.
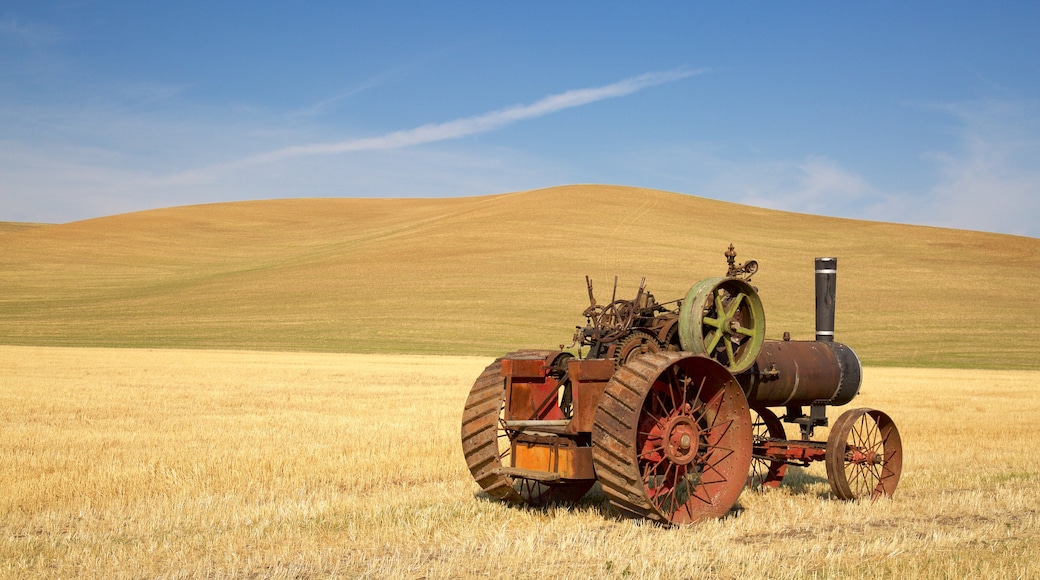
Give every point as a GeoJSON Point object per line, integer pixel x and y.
{"type": "Point", "coordinates": [463, 127]}
{"type": "Point", "coordinates": [481, 123]}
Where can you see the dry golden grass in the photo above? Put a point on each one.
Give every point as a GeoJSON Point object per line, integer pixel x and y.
{"type": "Point", "coordinates": [142, 463]}
{"type": "Point", "coordinates": [9, 227]}
{"type": "Point", "coordinates": [486, 275]}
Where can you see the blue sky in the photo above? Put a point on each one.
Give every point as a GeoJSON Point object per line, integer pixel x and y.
{"type": "Point", "coordinates": [924, 113]}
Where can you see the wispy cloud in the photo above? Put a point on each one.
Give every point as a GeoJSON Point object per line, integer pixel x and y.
{"type": "Point", "coordinates": [991, 179]}
{"type": "Point", "coordinates": [436, 132]}
{"type": "Point", "coordinates": [324, 106]}
{"type": "Point", "coordinates": [468, 126]}
{"type": "Point", "coordinates": [815, 184]}
{"type": "Point", "coordinates": [73, 175]}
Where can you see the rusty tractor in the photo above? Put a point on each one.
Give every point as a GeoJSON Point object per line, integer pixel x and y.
{"type": "Point", "coordinates": [669, 407]}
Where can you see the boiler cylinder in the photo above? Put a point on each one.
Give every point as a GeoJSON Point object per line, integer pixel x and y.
{"type": "Point", "coordinates": [802, 373]}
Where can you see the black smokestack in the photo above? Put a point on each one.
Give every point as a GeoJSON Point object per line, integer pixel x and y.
{"type": "Point", "coordinates": [826, 284]}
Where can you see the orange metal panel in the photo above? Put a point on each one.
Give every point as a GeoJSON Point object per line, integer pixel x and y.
{"type": "Point", "coordinates": [588, 379]}
{"type": "Point", "coordinates": [593, 369]}
{"type": "Point", "coordinates": [529, 368]}
{"type": "Point", "coordinates": [559, 456]}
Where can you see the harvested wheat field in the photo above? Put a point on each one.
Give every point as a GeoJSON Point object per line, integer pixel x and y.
{"type": "Point", "coordinates": [175, 464]}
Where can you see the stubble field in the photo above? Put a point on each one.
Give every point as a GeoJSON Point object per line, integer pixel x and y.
{"type": "Point", "coordinates": [174, 463]}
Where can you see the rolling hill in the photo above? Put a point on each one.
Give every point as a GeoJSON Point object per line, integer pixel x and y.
{"type": "Point", "coordinates": [486, 275]}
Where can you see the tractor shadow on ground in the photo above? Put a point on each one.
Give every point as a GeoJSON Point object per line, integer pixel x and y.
{"type": "Point", "coordinates": [797, 481]}
{"type": "Point", "coordinates": [593, 501]}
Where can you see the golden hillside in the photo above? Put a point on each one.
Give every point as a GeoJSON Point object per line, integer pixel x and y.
{"type": "Point", "coordinates": [486, 275]}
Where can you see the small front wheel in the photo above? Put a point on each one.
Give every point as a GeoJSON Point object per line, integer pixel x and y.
{"type": "Point", "coordinates": [864, 455]}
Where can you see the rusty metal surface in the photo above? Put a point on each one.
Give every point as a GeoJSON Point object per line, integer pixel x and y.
{"type": "Point", "coordinates": [723, 318]}
{"type": "Point", "coordinates": [487, 447]}
{"type": "Point", "coordinates": [766, 472]}
{"type": "Point", "coordinates": [672, 439]}
{"type": "Point", "coordinates": [667, 432]}
{"type": "Point", "coordinates": [864, 455]}
{"type": "Point", "coordinates": [800, 373]}
{"type": "Point", "coordinates": [792, 452]}
{"type": "Point", "coordinates": [588, 379]}
{"type": "Point", "coordinates": [557, 455]}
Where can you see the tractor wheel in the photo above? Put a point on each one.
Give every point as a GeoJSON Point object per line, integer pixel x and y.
{"type": "Point", "coordinates": [672, 438]}
{"type": "Point", "coordinates": [864, 455]}
{"type": "Point", "coordinates": [765, 473]}
{"type": "Point", "coordinates": [723, 318]}
{"type": "Point", "coordinates": [486, 444]}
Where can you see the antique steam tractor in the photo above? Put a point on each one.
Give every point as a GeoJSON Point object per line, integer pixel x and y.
{"type": "Point", "coordinates": [669, 406]}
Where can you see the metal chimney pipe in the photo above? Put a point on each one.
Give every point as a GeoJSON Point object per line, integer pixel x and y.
{"type": "Point", "coordinates": [826, 284]}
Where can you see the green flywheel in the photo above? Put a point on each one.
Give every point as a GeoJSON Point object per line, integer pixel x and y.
{"type": "Point", "coordinates": [723, 318]}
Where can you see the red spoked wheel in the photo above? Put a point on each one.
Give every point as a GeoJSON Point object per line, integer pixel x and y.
{"type": "Point", "coordinates": [864, 455]}
{"type": "Point", "coordinates": [672, 438]}
{"type": "Point", "coordinates": [765, 473]}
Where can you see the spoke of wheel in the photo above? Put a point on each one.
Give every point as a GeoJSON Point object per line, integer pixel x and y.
{"type": "Point", "coordinates": [702, 488]}
{"type": "Point", "coordinates": [711, 405]}
{"type": "Point", "coordinates": [686, 505]}
{"type": "Point", "coordinates": [758, 470]}
{"type": "Point", "coordinates": [685, 388]}
{"type": "Point", "coordinates": [745, 331]}
{"type": "Point", "coordinates": [884, 443]}
{"type": "Point", "coordinates": [650, 434]}
{"type": "Point", "coordinates": [886, 472]}
{"type": "Point", "coordinates": [673, 380]}
{"type": "Point", "coordinates": [676, 479]}
{"type": "Point", "coordinates": [866, 431]}
{"type": "Point", "coordinates": [684, 485]}
{"type": "Point", "coordinates": [503, 433]}
{"type": "Point", "coordinates": [874, 436]}
{"type": "Point", "coordinates": [859, 480]}
{"type": "Point", "coordinates": [729, 353]}
{"type": "Point", "coordinates": [712, 322]}
{"type": "Point", "coordinates": [736, 305]}
{"type": "Point", "coordinates": [714, 466]}
{"type": "Point", "coordinates": [672, 388]}
{"type": "Point", "coordinates": [875, 473]}
{"type": "Point", "coordinates": [652, 468]}
{"type": "Point", "coordinates": [713, 341]}
{"type": "Point", "coordinates": [872, 480]}
{"type": "Point", "coordinates": [857, 431]}
{"type": "Point", "coordinates": [660, 405]}
{"type": "Point", "coordinates": [711, 431]}
{"type": "Point", "coordinates": [853, 477]}
{"type": "Point", "coordinates": [872, 442]}
{"type": "Point", "coordinates": [720, 310]}
{"type": "Point", "coordinates": [865, 478]}
{"type": "Point", "coordinates": [697, 396]}
{"type": "Point", "coordinates": [657, 498]}
{"type": "Point", "coordinates": [860, 484]}
{"type": "Point", "coordinates": [647, 455]}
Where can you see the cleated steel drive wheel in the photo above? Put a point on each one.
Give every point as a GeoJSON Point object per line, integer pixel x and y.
{"type": "Point", "coordinates": [487, 445]}
{"type": "Point", "coordinates": [864, 455]}
{"type": "Point", "coordinates": [672, 438]}
{"type": "Point", "coordinates": [765, 473]}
